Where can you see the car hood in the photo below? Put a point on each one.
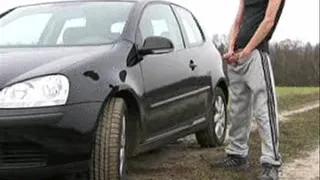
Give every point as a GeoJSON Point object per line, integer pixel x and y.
{"type": "Point", "coordinates": [18, 64]}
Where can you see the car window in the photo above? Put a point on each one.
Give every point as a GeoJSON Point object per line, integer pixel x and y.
{"type": "Point", "coordinates": [190, 26]}
{"type": "Point", "coordinates": [67, 24]}
{"type": "Point", "coordinates": [159, 20]}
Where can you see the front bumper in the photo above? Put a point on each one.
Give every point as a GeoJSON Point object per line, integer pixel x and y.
{"type": "Point", "coordinates": [39, 141]}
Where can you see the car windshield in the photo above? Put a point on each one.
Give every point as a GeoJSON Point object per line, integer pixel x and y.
{"type": "Point", "coordinates": [64, 24]}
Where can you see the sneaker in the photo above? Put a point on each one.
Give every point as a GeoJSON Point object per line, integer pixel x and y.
{"type": "Point", "coordinates": [233, 162]}
{"type": "Point", "coordinates": [269, 172]}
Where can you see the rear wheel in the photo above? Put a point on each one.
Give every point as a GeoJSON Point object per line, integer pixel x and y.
{"type": "Point", "coordinates": [215, 134]}
{"type": "Point", "coordinates": [108, 159]}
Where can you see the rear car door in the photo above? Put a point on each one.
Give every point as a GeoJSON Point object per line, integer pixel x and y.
{"type": "Point", "coordinates": [197, 57]}
{"type": "Point", "coordinates": [168, 82]}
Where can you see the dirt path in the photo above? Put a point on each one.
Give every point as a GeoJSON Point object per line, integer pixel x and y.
{"type": "Point", "coordinates": [307, 107]}
{"type": "Point", "coordinates": [306, 168]}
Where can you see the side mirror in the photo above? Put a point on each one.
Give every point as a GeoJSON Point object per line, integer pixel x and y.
{"type": "Point", "coordinates": [156, 45]}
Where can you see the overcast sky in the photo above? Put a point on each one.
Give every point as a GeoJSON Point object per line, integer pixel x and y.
{"type": "Point", "coordinates": [300, 20]}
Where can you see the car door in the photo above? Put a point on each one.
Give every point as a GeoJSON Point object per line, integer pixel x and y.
{"type": "Point", "coordinates": [168, 83]}
{"type": "Point", "coordinates": [196, 48]}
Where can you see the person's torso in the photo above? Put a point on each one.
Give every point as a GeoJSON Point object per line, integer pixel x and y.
{"type": "Point", "coordinates": [254, 13]}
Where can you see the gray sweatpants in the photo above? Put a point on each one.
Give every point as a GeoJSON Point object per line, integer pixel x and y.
{"type": "Point", "coordinates": [252, 94]}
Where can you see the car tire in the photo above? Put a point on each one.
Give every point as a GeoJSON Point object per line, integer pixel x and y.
{"type": "Point", "coordinates": [214, 135]}
{"type": "Point", "coordinates": [108, 157]}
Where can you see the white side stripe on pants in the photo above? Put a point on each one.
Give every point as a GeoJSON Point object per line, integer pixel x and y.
{"type": "Point", "coordinates": [272, 104]}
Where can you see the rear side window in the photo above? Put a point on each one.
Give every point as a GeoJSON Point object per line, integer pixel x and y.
{"type": "Point", "coordinates": [190, 27]}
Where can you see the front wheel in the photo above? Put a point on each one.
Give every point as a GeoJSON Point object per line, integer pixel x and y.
{"type": "Point", "coordinates": [108, 159]}
{"type": "Point", "coordinates": [214, 135]}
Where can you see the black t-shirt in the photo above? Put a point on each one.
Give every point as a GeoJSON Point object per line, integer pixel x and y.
{"type": "Point", "coordinates": [254, 13]}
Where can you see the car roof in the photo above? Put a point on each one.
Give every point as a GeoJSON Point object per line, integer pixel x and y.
{"type": "Point", "coordinates": [140, 3]}
{"type": "Point", "coordinates": [70, 1]}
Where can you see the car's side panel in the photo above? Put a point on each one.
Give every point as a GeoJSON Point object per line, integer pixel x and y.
{"type": "Point", "coordinates": [195, 44]}
{"type": "Point", "coordinates": [208, 72]}
{"type": "Point", "coordinates": [202, 77]}
{"type": "Point", "coordinates": [169, 92]}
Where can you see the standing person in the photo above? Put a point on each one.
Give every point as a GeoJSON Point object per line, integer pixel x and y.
{"type": "Point", "coordinates": [252, 88]}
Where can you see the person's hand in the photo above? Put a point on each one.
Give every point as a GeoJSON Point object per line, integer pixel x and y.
{"type": "Point", "coordinates": [228, 55]}
{"type": "Point", "coordinates": [237, 56]}
{"type": "Point", "coordinates": [234, 58]}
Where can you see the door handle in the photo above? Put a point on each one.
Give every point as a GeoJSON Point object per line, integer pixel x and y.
{"type": "Point", "coordinates": [192, 65]}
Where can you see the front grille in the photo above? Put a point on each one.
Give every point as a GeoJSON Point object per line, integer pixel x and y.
{"type": "Point", "coordinates": [21, 155]}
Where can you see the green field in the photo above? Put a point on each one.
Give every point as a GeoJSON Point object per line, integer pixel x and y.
{"type": "Point", "coordinates": [290, 98]}
{"type": "Point", "coordinates": [289, 91]}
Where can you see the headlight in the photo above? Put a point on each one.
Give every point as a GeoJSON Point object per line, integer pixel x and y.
{"type": "Point", "coordinates": [39, 92]}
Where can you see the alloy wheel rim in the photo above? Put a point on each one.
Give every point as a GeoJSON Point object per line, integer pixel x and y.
{"type": "Point", "coordinates": [219, 117]}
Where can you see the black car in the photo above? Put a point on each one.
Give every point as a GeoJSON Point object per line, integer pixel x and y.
{"type": "Point", "coordinates": [86, 84]}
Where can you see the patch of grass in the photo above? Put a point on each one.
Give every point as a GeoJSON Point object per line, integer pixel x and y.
{"type": "Point", "coordinates": [298, 135]}
{"type": "Point", "coordinates": [288, 91]}
{"type": "Point", "coordinates": [290, 98]}
{"type": "Point", "coordinates": [301, 134]}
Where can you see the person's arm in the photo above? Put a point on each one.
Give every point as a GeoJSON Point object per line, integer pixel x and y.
{"type": "Point", "coordinates": [236, 26]}
{"type": "Point", "coordinates": [264, 28]}
{"type": "Point", "coordinates": [235, 30]}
